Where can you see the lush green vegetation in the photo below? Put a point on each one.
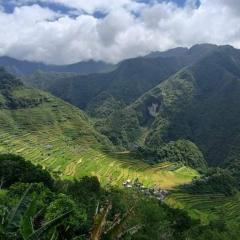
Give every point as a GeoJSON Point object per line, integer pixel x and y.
{"type": "Point", "coordinates": [68, 211]}
{"type": "Point", "coordinates": [122, 128]}
{"type": "Point", "coordinates": [15, 169]}
{"type": "Point", "coordinates": [207, 207]}
{"type": "Point", "coordinates": [67, 159]}
{"type": "Point", "coordinates": [77, 201]}
{"type": "Point", "coordinates": [215, 181]}
{"type": "Point", "coordinates": [200, 103]}
{"type": "Point", "coordinates": [159, 139]}
{"type": "Point", "coordinates": [60, 138]}
{"type": "Point", "coordinates": [181, 151]}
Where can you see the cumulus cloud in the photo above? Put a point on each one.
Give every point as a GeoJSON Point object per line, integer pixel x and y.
{"type": "Point", "coordinates": [130, 28]}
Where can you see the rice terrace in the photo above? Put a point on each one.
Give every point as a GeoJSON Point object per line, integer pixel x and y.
{"type": "Point", "coordinates": [68, 160]}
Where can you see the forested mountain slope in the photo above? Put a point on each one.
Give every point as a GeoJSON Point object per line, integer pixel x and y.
{"type": "Point", "coordinates": [200, 103]}
{"type": "Point", "coordinates": [131, 79]}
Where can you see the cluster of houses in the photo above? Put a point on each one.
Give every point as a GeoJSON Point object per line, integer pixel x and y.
{"type": "Point", "coordinates": [155, 192]}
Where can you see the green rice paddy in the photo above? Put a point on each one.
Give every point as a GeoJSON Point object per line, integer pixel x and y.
{"type": "Point", "coordinates": [68, 159]}
{"type": "Point", "coordinates": [207, 207]}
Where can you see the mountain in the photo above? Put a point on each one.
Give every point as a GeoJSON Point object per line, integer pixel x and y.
{"type": "Point", "coordinates": [61, 138]}
{"type": "Point", "coordinates": [185, 55]}
{"type": "Point", "coordinates": [175, 52]}
{"type": "Point", "coordinates": [131, 78]}
{"type": "Point", "coordinates": [44, 80]}
{"type": "Point", "coordinates": [19, 67]}
{"type": "Point", "coordinates": [199, 103]}
{"type": "Point", "coordinates": [190, 94]}
{"type": "Point", "coordinates": [191, 108]}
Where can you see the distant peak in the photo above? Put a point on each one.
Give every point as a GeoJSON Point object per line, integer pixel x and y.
{"type": "Point", "coordinates": [204, 45]}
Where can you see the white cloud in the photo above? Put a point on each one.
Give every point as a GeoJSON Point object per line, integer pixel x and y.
{"type": "Point", "coordinates": [36, 33]}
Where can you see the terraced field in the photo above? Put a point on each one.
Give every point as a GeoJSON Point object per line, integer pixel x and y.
{"type": "Point", "coordinates": [207, 207]}
{"type": "Point", "coordinates": [68, 159]}
{"type": "Point", "coordinates": [58, 136]}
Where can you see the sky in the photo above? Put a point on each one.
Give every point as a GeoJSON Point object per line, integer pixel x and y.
{"type": "Point", "coordinates": [68, 31]}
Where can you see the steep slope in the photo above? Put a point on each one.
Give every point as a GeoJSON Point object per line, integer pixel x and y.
{"type": "Point", "coordinates": [19, 67]}
{"type": "Point", "coordinates": [41, 110]}
{"type": "Point", "coordinates": [131, 79]}
{"type": "Point", "coordinates": [51, 132]}
{"type": "Point", "coordinates": [44, 80]}
{"type": "Point", "coordinates": [125, 84]}
{"type": "Point", "coordinates": [121, 123]}
{"type": "Point", "coordinates": [200, 103]}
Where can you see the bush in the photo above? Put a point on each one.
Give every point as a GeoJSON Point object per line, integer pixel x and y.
{"type": "Point", "coordinates": [217, 181]}
{"type": "Point", "coordinates": [15, 168]}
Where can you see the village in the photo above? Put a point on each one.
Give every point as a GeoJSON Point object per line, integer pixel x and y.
{"type": "Point", "coordinates": [155, 192]}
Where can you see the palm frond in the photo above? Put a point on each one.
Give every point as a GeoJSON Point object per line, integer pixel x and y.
{"type": "Point", "coordinates": [39, 233]}
{"type": "Point", "coordinates": [15, 215]}
{"type": "Point", "coordinates": [26, 227]}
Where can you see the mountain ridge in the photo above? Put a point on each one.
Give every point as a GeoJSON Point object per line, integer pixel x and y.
{"type": "Point", "coordinates": [23, 67]}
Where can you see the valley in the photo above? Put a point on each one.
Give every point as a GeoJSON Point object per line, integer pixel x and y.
{"type": "Point", "coordinates": [119, 120]}
{"type": "Point", "coordinates": [160, 135]}
{"type": "Point", "coordinates": [60, 137]}
{"type": "Point", "coordinates": [69, 158]}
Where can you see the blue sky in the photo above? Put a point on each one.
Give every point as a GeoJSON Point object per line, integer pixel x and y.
{"type": "Point", "coordinates": [68, 31]}
{"type": "Point", "coordinates": [10, 5]}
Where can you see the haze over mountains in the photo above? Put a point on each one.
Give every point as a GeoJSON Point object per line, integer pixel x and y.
{"type": "Point", "coordinates": [19, 67]}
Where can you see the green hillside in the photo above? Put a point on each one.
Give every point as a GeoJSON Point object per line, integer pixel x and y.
{"type": "Point", "coordinates": [50, 132]}
{"type": "Point", "coordinates": [207, 207]}
{"type": "Point", "coordinates": [158, 139]}
{"type": "Point", "coordinates": [199, 103]}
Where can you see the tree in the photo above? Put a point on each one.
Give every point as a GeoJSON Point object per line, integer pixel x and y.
{"type": "Point", "coordinates": [74, 223]}
{"type": "Point", "coordinates": [15, 168]}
